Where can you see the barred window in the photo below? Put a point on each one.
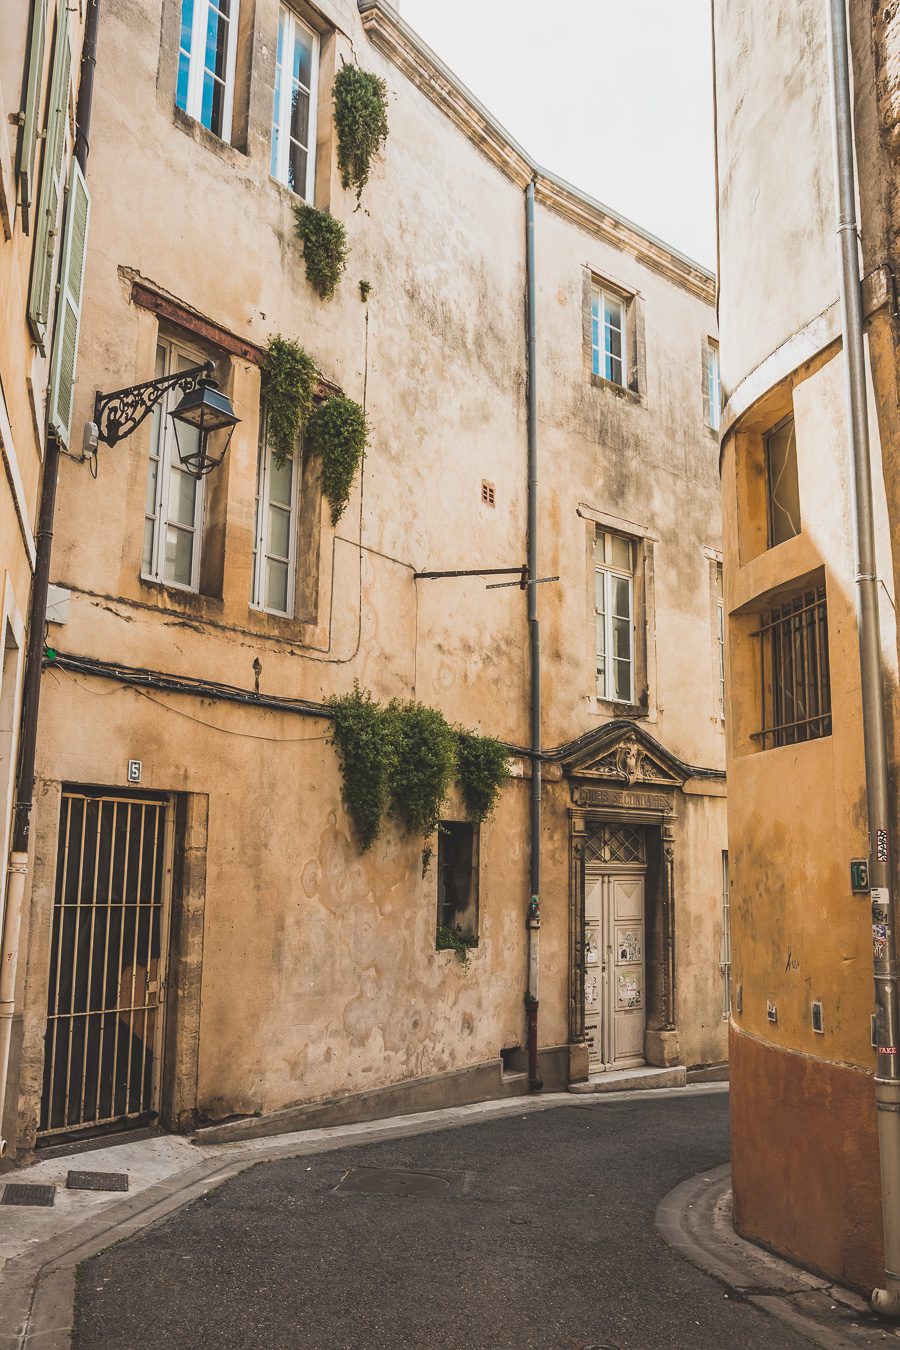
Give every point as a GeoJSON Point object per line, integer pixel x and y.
{"type": "Point", "coordinates": [794, 676]}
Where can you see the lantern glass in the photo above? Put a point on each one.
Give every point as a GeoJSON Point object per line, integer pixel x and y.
{"type": "Point", "coordinates": [204, 421]}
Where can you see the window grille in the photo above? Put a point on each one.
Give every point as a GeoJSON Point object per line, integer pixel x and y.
{"type": "Point", "coordinates": [615, 844]}
{"type": "Point", "coordinates": [488, 493]}
{"type": "Point", "coordinates": [794, 675]}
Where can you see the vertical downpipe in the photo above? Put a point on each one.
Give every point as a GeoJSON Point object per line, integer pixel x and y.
{"type": "Point", "coordinates": [534, 634]}
{"type": "Point", "coordinates": [887, 1073]}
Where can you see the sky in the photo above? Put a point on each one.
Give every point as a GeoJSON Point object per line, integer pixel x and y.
{"type": "Point", "coordinates": [613, 95]}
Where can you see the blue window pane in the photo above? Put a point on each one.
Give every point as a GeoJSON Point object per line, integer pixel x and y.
{"type": "Point", "coordinates": [187, 21]}
{"type": "Point", "coordinates": [303, 59]}
{"type": "Point", "coordinates": [181, 94]}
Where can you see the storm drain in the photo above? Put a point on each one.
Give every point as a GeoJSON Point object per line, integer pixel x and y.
{"type": "Point", "coordinates": [401, 1181]}
{"type": "Point", "coordinates": [16, 1194]}
{"type": "Point", "coordinates": [97, 1181]}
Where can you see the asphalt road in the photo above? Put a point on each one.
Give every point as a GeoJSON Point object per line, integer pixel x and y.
{"type": "Point", "coordinates": [549, 1245]}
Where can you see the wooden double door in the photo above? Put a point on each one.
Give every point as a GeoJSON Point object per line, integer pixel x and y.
{"type": "Point", "coordinates": [614, 966]}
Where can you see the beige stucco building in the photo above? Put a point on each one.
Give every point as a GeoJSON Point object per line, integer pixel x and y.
{"type": "Point", "coordinates": [804, 1140]}
{"type": "Point", "coordinates": [253, 960]}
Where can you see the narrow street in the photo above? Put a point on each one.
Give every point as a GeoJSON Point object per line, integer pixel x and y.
{"type": "Point", "coordinates": [543, 1239]}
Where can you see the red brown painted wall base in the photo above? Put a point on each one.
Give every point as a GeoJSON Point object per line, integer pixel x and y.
{"type": "Point", "coordinates": [804, 1149]}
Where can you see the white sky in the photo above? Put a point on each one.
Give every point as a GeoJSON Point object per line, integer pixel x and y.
{"type": "Point", "coordinates": [613, 95]}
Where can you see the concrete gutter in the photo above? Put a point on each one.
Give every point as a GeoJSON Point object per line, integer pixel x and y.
{"type": "Point", "coordinates": [37, 1283]}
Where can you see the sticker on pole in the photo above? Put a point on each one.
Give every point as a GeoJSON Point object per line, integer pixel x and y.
{"type": "Point", "coordinates": [881, 845]}
{"type": "Point", "coordinates": [880, 895]}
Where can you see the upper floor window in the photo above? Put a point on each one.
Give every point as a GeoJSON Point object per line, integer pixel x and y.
{"type": "Point", "coordinates": [294, 113]}
{"type": "Point", "coordinates": [720, 637]}
{"type": "Point", "coordinates": [795, 702]}
{"type": "Point", "coordinates": [206, 57]}
{"type": "Point", "coordinates": [173, 512]}
{"type": "Point", "coordinates": [713, 386]}
{"type": "Point", "coordinates": [457, 878]}
{"type": "Point", "coordinates": [614, 616]}
{"type": "Point", "coordinates": [608, 334]}
{"type": "Point", "coordinates": [782, 483]}
{"type": "Point", "coordinates": [275, 541]}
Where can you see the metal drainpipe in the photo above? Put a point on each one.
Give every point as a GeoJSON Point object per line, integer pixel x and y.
{"type": "Point", "coordinates": [887, 1074]}
{"type": "Point", "coordinates": [534, 904]}
{"type": "Point", "coordinates": [17, 871]}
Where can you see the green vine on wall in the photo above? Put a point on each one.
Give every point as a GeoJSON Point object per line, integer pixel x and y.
{"type": "Point", "coordinates": [423, 766]}
{"type": "Point", "coordinates": [449, 940]}
{"type": "Point", "coordinates": [362, 736]}
{"type": "Point", "coordinates": [360, 117]}
{"type": "Point", "coordinates": [288, 378]}
{"type": "Point", "coordinates": [325, 248]}
{"type": "Point", "coordinates": [339, 431]}
{"type": "Point", "coordinates": [483, 768]}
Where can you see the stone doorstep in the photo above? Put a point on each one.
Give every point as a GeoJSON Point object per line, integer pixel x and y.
{"type": "Point", "coordinates": [633, 1080]}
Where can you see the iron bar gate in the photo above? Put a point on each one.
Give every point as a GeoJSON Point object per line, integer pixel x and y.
{"type": "Point", "coordinates": [107, 961]}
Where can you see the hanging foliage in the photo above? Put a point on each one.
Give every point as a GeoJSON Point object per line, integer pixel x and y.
{"type": "Point", "coordinates": [450, 940]}
{"type": "Point", "coordinates": [362, 734]}
{"type": "Point", "coordinates": [325, 248]}
{"type": "Point", "coordinates": [288, 379]}
{"type": "Point", "coordinates": [360, 117]}
{"type": "Point", "coordinates": [423, 765]}
{"type": "Point", "coordinates": [338, 431]}
{"type": "Point", "coordinates": [483, 768]}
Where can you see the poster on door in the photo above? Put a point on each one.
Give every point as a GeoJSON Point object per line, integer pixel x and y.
{"type": "Point", "coordinates": [628, 946]}
{"type": "Point", "coordinates": [628, 989]}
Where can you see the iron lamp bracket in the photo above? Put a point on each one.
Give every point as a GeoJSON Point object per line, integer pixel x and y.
{"type": "Point", "coordinates": [118, 414]}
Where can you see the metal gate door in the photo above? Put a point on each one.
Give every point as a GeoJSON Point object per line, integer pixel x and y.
{"type": "Point", "coordinates": [104, 1004]}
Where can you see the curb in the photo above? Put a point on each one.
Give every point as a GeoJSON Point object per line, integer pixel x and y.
{"type": "Point", "coordinates": [37, 1287]}
{"type": "Point", "coordinates": [695, 1219]}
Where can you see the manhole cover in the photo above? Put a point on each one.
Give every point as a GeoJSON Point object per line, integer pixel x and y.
{"type": "Point", "coordinates": [16, 1194]}
{"type": "Point", "coordinates": [97, 1181]}
{"type": "Point", "coordinates": [401, 1181]}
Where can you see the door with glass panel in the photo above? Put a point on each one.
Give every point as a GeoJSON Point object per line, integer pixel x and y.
{"type": "Point", "coordinates": [614, 616]}
{"type": "Point", "coordinates": [107, 962]}
{"type": "Point", "coordinates": [173, 512]}
{"type": "Point", "coordinates": [614, 968]}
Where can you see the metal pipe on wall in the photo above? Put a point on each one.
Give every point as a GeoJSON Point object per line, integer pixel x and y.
{"type": "Point", "coordinates": [887, 1073]}
{"type": "Point", "coordinates": [532, 995]}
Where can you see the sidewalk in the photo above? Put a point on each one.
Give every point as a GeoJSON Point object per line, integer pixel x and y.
{"type": "Point", "coordinates": [41, 1247]}
{"type": "Point", "coordinates": [696, 1220]}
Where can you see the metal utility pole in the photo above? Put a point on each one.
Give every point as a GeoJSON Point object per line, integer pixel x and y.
{"type": "Point", "coordinates": [534, 633]}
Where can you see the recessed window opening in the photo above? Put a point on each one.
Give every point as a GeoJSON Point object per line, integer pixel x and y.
{"type": "Point", "coordinates": [782, 482]}
{"type": "Point", "coordinates": [275, 541]}
{"type": "Point", "coordinates": [726, 938]}
{"type": "Point", "coordinates": [608, 333]}
{"type": "Point", "coordinates": [206, 57]}
{"type": "Point", "coordinates": [794, 671]}
{"type": "Point", "coordinates": [457, 876]}
{"type": "Point", "coordinates": [294, 112]}
{"type": "Point", "coordinates": [614, 616]}
{"type": "Point", "coordinates": [714, 386]}
{"type": "Point", "coordinates": [173, 510]}
{"type": "Point", "coordinates": [720, 637]}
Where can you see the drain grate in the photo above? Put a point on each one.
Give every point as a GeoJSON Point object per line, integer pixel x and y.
{"type": "Point", "coordinates": [97, 1181]}
{"type": "Point", "coordinates": [16, 1194]}
{"type": "Point", "coordinates": [401, 1181]}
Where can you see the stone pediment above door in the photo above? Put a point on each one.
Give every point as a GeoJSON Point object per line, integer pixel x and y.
{"type": "Point", "coordinates": [623, 756]}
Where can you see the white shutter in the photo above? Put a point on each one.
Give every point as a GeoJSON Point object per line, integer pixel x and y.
{"type": "Point", "coordinates": [47, 215]}
{"type": "Point", "coordinates": [71, 285]}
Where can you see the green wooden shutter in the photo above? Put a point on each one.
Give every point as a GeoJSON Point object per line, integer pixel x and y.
{"type": "Point", "coordinates": [31, 111]}
{"type": "Point", "coordinates": [46, 225]}
{"type": "Point", "coordinates": [71, 273]}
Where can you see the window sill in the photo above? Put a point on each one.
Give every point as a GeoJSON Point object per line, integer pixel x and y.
{"type": "Point", "coordinates": [608, 708]}
{"type": "Point", "coordinates": [165, 597]}
{"type": "Point", "coordinates": [279, 625]}
{"type": "Point", "coordinates": [620, 390]}
{"type": "Point", "coordinates": [232, 154]}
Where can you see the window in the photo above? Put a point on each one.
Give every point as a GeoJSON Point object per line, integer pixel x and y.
{"type": "Point", "coordinates": [713, 386]}
{"type": "Point", "coordinates": [294, 114]}
{"type": "Point", "coordinates": [725, 963]}
{"type": "Point", "coordinates": [275, 542]}
{"type": "Point", "coordinates": [608, 334]}
{"type": "Point", "coordinates": [795, 684]}
{"type": "Point", "coordinates": [206, 54]}
{"type": "Point", "coordinates": [173, 512]}
{"type": "Point", "coordinates": [40, 293]}
{"type": "Point", "coordinates": [457, 877]}
{"type": "Point", "coordinates": [783, 488]}
{"type": "Point", "coordinates": [720, 637]}
{"type": "Point", "coordinates": [614, 616]}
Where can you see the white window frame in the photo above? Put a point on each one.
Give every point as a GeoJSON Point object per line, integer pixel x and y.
{"type": "Point", "coordinates": [600, 355]}
{"type": "Point", "coordinates": [197, 65]}
{"type": "Point", "coordinates": [283, 118]}
{"type": "Point", "coordinates": [608, 571]}
{"type": "Point", "coordinates": [720, 636]}
{"type": "Point", "coordinates": [167, 457]}
{"type": "Point", "coordinates": [714, 386]}
{"type": "Point", "coordinates": [261, 535]}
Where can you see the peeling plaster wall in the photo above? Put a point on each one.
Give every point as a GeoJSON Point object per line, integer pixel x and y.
{"type": "Point", "coordinates": [319, 970]}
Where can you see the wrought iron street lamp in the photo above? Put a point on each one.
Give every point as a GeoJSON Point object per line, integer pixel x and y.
{"type": "Point", "coordinates": [204, 419]}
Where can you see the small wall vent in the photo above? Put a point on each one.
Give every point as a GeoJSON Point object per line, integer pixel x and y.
{"type": "Point", "coordinates": [816, 1018]}
{"type": "Point", "coordinates": [488, 493]}
{"type": "Point", "coordinates": [771, 1011]}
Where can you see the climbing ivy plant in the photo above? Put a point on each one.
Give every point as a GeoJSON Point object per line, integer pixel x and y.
{"type": "Point", "coordinates": [360, 117]}
{"type": "Point", "coordinates": [338, 430]}
{"type": "Point", "coordinates": [362, 735]}
{"type": "Point", "coordinates": [483, 768]}
{"type": "Point", "coordinates": [449, 940]}
{"type": "Point", "coordinates": [288, 379]}
{"type": "Point", "coordinates": [423, 765]}
{"type": "Point", "coordinates": [325, 248]}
